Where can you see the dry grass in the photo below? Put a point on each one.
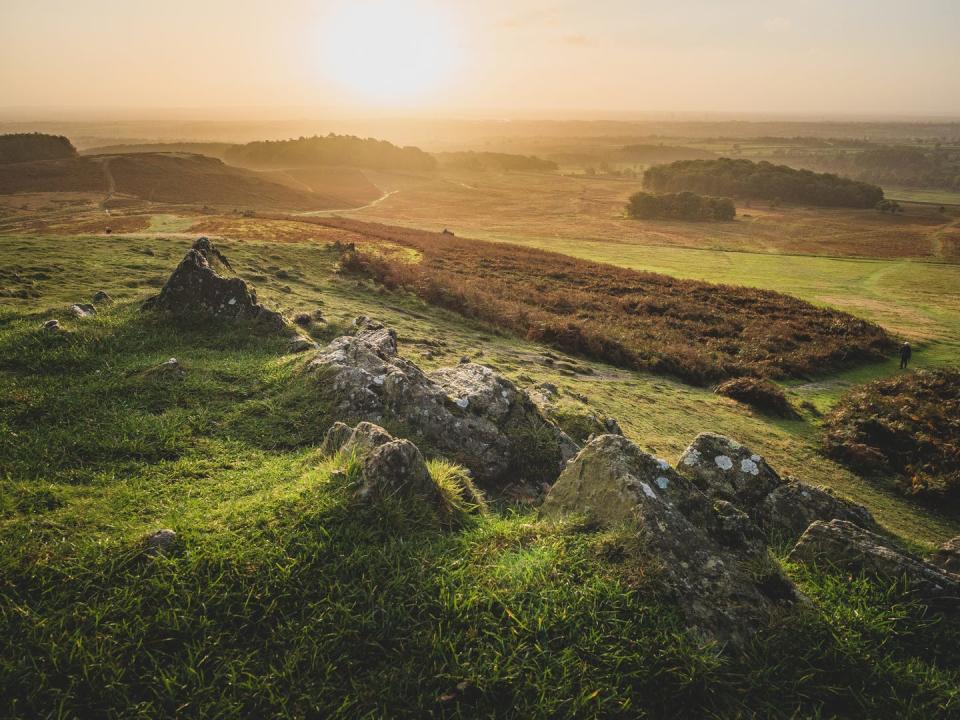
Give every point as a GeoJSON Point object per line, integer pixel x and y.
{"type": "Point", "coordinates": [510, 206]}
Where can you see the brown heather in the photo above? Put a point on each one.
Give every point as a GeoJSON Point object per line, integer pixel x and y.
{"type": "Point", "coordinates": [696, 331]}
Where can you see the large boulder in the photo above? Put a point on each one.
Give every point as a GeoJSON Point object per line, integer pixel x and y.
{"type": "Point", "coordinates": [841, 544]}
{"type": "Point", "coordinates": [712, 558]}
{"type": "Point", "coordinates": [203, 284]}
{"type": "Point", "coordinates": [468, 413]}
{"type": "Point", "coordinates": [724, 469]}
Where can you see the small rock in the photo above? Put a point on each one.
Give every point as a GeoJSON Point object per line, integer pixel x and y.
{"type": "Point", "coordinates": [725, 469]}
{"type": "Point", "coordinates": [301, 343]}
{"type": "Point", "coordinates": [335, 438]}
{"type": "Point", "coordinates": [52, 326]}
{"type": "Point", "coordinates": [83, 310]}
{"type": "Point", "coordinates": [464, 360]}
{"type": "Point", "coordinates": [791, 507]}
{"type": "Point", "coordinates": [101, 297]}
{"type": "Point", "coordinates": [160, 542]}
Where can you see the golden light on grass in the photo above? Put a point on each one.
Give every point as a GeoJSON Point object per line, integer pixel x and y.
{"type": "Point", "coordinates": [390, 51]}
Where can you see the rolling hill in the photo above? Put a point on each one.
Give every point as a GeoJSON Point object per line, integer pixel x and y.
{"type": "Point", "coordinates": [165, 177]}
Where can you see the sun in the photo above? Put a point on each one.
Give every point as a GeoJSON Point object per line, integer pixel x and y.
{"type": "Point", "coordinates": [390, 52]}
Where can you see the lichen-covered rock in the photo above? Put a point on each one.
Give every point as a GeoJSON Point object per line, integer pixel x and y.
{"type": "Point", "coordinates": [377, 335]}
{"type": "Point", "coordinates": [335, 438]}
{"type": "Point", "coordinates": [723, 468]}
{"type": "Point", "coordinates": [791, 507]}
{"type": "Point", "coordinates": [843, 545]}
{"type": "Point", "coordinates": [610, 476]}
{"type": "Point", "coordinates": [468, 413]}
{"type": "Point", "coordinates": [203, 284]}
{"type": "Point", "coordinates": [947, 557]}
{"type": "Point", "coordinates": [83, 310]}
{"type": "Point", "coordinates": [362, 439]}
{"type": "Point", "coordinates": [708, 556]}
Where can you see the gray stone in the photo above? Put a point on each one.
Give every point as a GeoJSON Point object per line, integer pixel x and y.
{"type": "Point", "coordinates": [397, 470]}
{"type": "Point", "coordinates": [841, 544]}
{"type": "Point", "coordinates": [203, 284]}
{"type": "Point", "coordinates": [335, 437]}
{"type": "Point", "coordinates": [52, 326]}
{"type": "Point", "coordinates": [83, 310]}
{"type": "Point", "coordinates": [101, 297]}
{"type": "Point", "coordinates": [378, 336]}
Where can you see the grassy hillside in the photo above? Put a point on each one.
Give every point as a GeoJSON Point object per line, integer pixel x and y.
{"type": "Point", "coordinates": [285, 599]}
{"type": "Point", "coordinates": [161, 177]}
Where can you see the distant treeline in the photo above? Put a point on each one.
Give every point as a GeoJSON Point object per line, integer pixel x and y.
{"type": "Point", "coordinates": [330, 150]}
{"type": "Point", "coordinates": [937, 167]}
{"type": "Point", "coordinates": [24, 147]}
{"type": "Point", "coordinates": [652, 154]}
{"type": "Point", "coordinates": [477, 161]}
{"type": "Point", "coordinates": [680, 206]}
{"type": "Point", "coordinates": [761, 181]}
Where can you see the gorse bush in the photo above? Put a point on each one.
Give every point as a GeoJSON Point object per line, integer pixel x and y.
{"type": "Point", "coordinates": [761, 181]}
{"type": "Point", "coordinates": [907, 425]}
{"type": "Point", "coordinates": [680, 206]}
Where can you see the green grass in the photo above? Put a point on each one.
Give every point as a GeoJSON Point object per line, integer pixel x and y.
{"type": "Point", "coordinates": [286, 598]}
{"type": "Point", "coordinates": [926, 195]}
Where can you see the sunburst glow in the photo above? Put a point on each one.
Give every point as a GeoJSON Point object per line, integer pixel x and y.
{"type": "Point", "coordinates": [387, 51]}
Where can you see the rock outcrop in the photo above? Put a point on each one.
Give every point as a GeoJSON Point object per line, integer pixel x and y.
{"type": "Point", "coordinates": [841, 544]}
{"type": "Point", "coordinates": [723, 469]}
{"type": "Point", "coordinates": [203, 284]}
{"type": "Point", "coordinates": [572, 414]}
{"type": "Point", "coordinates": [713, 559]}
{"type": "Point", "coordinates": [469, 412]}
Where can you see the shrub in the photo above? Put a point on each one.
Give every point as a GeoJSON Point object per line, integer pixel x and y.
{"type": "Point", "coordinates": [758, 393]}
{"type": "Point", "coordinates": [908, 425]}
{"type": "Point", "coordinates": [680, 206]}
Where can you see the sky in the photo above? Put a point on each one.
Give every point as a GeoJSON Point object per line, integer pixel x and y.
{"type": "Point", "coordinates": [484, 57]}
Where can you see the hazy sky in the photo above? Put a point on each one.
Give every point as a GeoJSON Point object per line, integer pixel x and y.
{"type": "Point", "coordinates": [763, 56]}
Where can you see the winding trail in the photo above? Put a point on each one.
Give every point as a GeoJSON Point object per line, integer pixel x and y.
{"type": "Point", "coordinates": [111, 182]}
{"type": "Point", "coordinates": [315, 213]}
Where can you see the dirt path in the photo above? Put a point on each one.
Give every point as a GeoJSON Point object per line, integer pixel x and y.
{"type": "Point", "coordinates": [343, 210]}
{"type": "Point", "coordinates": [111, 183]}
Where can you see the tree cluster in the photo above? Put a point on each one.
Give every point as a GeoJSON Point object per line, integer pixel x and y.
{"type": "Point", "coordinates": [761, 181]}
{"type": "Point", "coordinates": [479, 161]}
{"type": "Point", "coordinates": [680, 206]}
{"type": "Point", "coordinates": [330, 150]}
{"type": "Point", "coordinates": [26, 147]}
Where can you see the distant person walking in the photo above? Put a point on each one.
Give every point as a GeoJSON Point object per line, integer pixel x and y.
{"type": "Point", "coordinates": [905, 353]}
